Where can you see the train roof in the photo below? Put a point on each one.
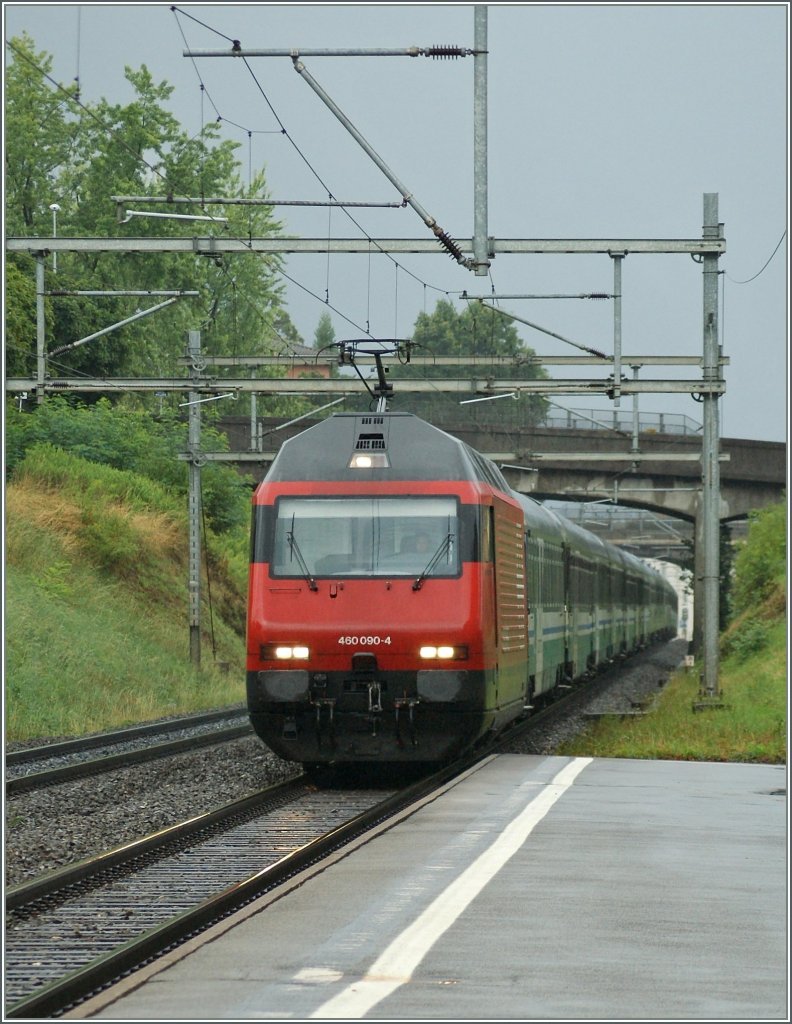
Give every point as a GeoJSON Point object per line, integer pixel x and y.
{"type": "Point", "coordinates": [400, 445]}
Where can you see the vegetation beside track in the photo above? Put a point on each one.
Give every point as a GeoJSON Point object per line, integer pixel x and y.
{"type": "Point", "coordinates": [96, 613]}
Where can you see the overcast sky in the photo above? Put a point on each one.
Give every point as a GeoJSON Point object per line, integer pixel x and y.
{"type": "Point", "coordinates": [604, 121]}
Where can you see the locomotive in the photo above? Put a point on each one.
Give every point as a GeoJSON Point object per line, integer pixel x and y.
{"type": "Point", "coordinates": [404, 602]}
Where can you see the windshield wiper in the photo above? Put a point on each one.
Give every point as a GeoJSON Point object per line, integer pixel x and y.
{"type": "Point", "coordinates": [295, 550]}
{"type": "Point", "coordinates": [445, 545]}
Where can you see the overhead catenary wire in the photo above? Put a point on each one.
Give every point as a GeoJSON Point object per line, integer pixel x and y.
{"type": "Point", "coordinates": [435, 52]}
{"type": "Point", "coordinates": [303, 157]}
{"type": "Point", "coordinates": [583, 295]}
{"type": "Point", "coordinates": [766, 265]}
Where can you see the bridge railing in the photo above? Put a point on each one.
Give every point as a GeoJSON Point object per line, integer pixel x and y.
{"type": "Point", "coordinates": [620, 419]}
{"type": "Point", "coordinates": [525, 414]}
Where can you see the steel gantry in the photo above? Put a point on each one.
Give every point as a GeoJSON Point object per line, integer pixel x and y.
{"type": "Point", "coordinates": [476, 255]}
{"type": "Point", "coordinates": [710, 385]}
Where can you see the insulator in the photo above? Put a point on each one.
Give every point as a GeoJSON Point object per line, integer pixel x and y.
{"type": "Point", "coordinates": [450, 245]}
{"type": "Point", "coordinates": [598, 295]}
{"type": "Point", "coordinates": [444, 51]}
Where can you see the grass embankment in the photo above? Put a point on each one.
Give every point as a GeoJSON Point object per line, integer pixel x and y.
{"type": "Point", "coordinates": [746, 723]}
{"type": "Point", "coordinates": [96, 615]}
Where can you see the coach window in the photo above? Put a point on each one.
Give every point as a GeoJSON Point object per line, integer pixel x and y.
{"type": "Point", "coordinates": [533, 565]}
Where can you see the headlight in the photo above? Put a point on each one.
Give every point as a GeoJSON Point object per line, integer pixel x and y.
{"type": "Point", "coordinates": [443, 651]}
{"type": "Point", "coordinates": [373, 460]}
{"type": "Point", "coordinates": [283, 652]}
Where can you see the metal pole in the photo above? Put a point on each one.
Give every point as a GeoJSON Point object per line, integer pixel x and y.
{"type": "Point", "coordinates": [698, 578]}
{"type": "Point", "coordinates": [55, 208]}
{"type": "Point", "coordinates": [41, 358]}
{"type": "Point", "coordinates": [238, 51]}
{"type": "Point", "coordinates": [113, 327]}
{"type": "Point", "coordinates": [710, 468]}
{"type": "Point", "coordinates": [636, 420]}
{"type": "Point", "coordinates": [617, 258]}
{"type": "Point", "coordinates": [544, 330]}
{"type": "Point", "coordinates": [253, 417]}
{"type": "Point", "coordinates": [480, 229]}
{"type": "Point", "coordinates": [194, 445]}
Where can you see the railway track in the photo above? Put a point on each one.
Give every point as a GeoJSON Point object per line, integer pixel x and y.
{"type": "Point", "coordinates": [73, 932]}
{"type": "Point", "coordinates": [76, 930]}
{"type": "Point", "coordinates": [35, 767]}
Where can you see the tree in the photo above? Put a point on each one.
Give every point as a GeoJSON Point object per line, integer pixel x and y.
{"type": "Point", "coordinates": [485, 334]}
{"type": "Point", "coordinates": [20, 316]}
{"type": "Point", "coordinates": [85, 154]}
{"type": "Point", "coordinates": [39, 139]}
{"type": "Point", "coordinates": [324, 335]}
{"type": "Point", "coordinates": [139, 149]}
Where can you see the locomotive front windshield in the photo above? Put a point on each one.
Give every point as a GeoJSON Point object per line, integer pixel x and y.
{"type": "Point", "coordinates": [365, 536]}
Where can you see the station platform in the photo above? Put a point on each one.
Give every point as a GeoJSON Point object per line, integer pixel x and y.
{"type": "Point", "coordinates": [533, 888]}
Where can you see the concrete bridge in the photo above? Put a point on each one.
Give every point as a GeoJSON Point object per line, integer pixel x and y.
{"type": "Point", "coordinates": [574, 466]}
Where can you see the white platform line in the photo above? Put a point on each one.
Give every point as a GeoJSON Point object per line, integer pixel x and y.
{"type": "Point", "coordinates": [396, 964]}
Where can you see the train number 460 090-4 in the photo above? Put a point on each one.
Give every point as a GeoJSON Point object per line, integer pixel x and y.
{"type": "Point", "coordinates": [363, 641]}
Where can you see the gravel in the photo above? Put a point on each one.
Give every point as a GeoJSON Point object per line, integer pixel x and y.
{"type": "Point", "coordinates": [64, 824]}
{"type": "Point", "coordinates": [637, 682]}
{"type": "Point", "coordinates": [62, 753]}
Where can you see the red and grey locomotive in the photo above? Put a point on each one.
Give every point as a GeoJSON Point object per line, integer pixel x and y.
{"type": "Point", "coordinates": [404, 601]}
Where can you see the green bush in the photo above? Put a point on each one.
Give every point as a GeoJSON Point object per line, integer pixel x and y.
{"type": "Point", "coordinates": [131, 439]}
{"type": "Point", "coordinates": [761, 560]}
{"type": "Point", "coordinates": [748, 638]}
{"type": "Point", "coordinates": [110, 542]}
{"type": "Point", "coordinates": [53, 467]}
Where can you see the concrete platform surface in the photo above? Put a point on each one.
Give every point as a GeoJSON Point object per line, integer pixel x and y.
{"type": "Point", "coordinates": [536, 888]}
